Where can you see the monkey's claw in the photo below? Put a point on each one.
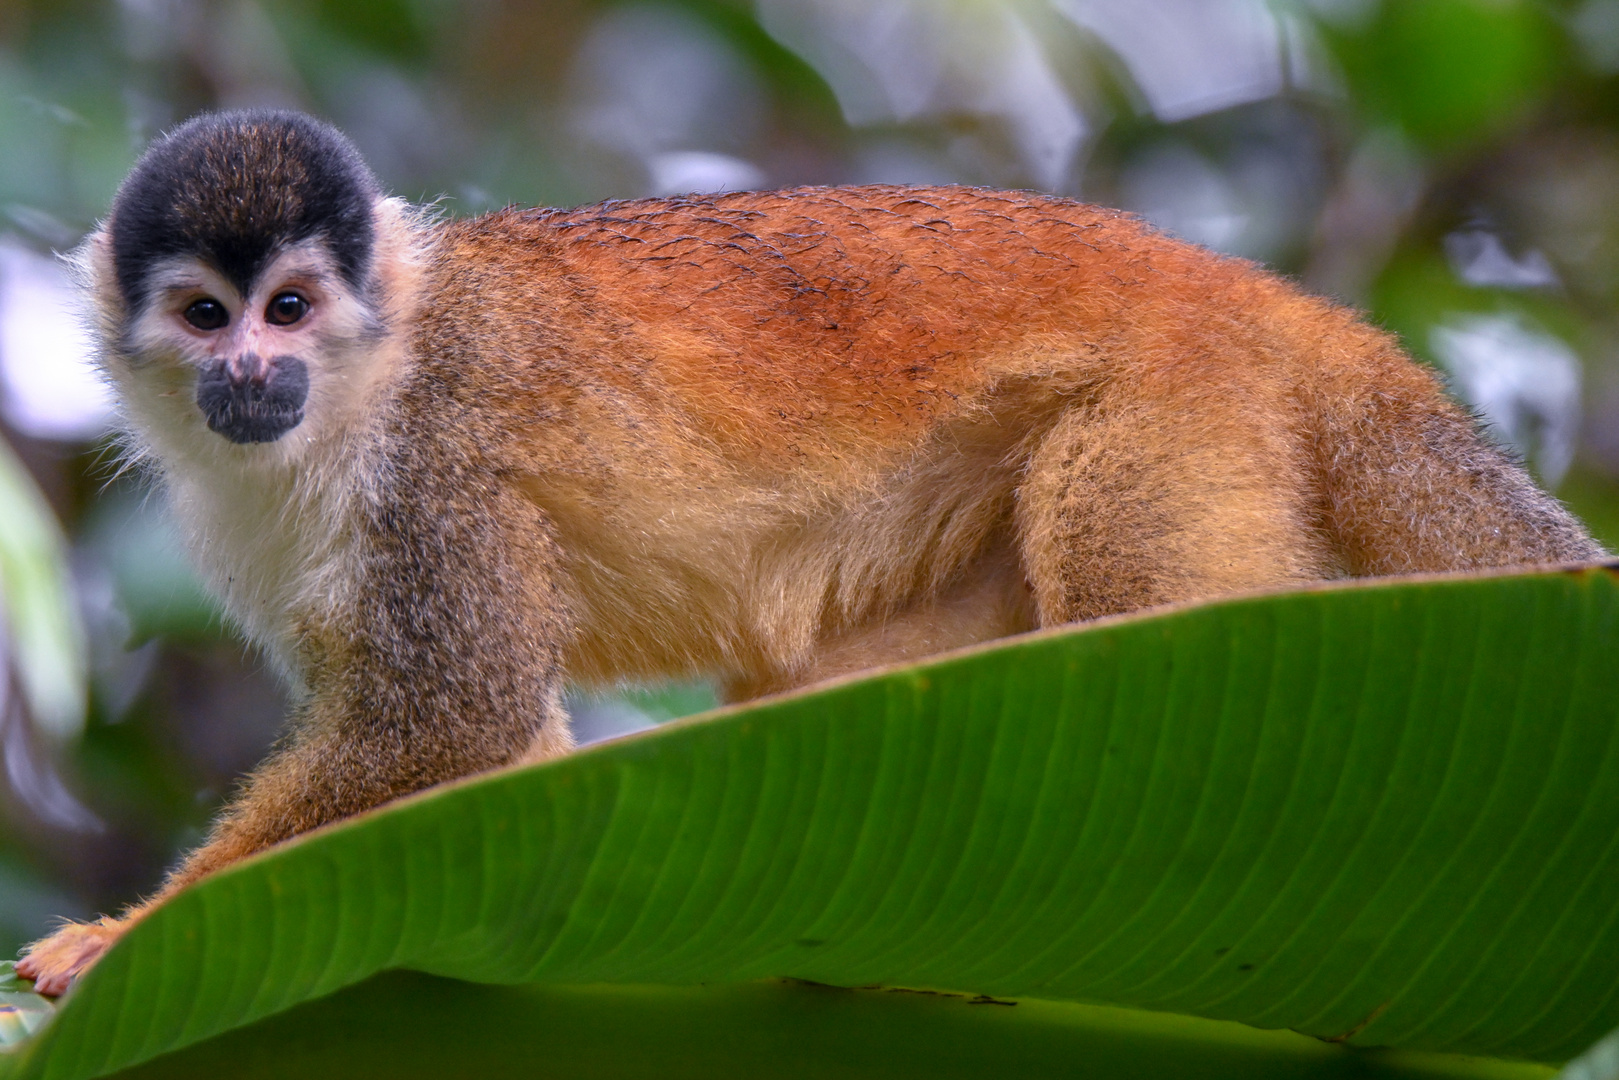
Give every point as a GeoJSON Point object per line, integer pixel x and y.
{"type": "Point", "coordinates": [54, 962]}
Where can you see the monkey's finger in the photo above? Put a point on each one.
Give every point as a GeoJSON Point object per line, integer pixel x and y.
{"type": "Point", "coordinates": [54, 962]}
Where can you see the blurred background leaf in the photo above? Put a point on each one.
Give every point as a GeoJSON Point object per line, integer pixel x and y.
{"type": "Point", "coordinates": [1451, 165]}
{"type": "Point", "coordinates": [39, 634]}
{"type": "Point", "coordinates": [1450, 73]}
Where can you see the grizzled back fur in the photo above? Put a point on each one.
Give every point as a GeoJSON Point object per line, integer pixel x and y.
{"type": "Point", "coordinates": [234, 188]}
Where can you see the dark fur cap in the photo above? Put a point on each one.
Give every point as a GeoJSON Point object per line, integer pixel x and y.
{"type": "Point", "coordinates": [232, 188]}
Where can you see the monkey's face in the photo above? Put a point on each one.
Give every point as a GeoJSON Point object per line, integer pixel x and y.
{"type": "Point", "coordinates": [247, 362]}
{"type": "Point", "coordinates": [236, 289]}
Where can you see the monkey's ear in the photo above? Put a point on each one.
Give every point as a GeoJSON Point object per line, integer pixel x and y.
{"type": "Point", "coordinates": [404, 234]}
{"type": "Point", "coordinates": [92, 269]}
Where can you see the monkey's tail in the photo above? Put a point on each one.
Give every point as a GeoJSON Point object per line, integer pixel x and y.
{"type": "Point", "coordinates": [1409, 484]}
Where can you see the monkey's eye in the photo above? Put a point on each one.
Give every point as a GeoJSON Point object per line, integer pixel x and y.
{"type": "Point", "coordinates": [207, 314]}
{"type": "Point", "coordinates": [286, 308]}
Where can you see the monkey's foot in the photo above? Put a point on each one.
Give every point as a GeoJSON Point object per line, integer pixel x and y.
{"type": "Point", "coordinates": [54, 962]}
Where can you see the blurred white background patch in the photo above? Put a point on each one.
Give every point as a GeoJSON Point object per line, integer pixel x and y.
{"type": "Point", "coordinates": [1180, 191]}
{"type": "Point", "coordinates": [1479, 257]}
{"type": "Point", "coordinates": [1189, 57]}
{"type": "Point", "coordinates": [1524, 380]}
{"type": "Point", "coordinates": [1595, 26]}
{"type": "Point", "coordinates": [49, 386]}
{"type": "Point", "coordinates": [681, 171]}
{"type": "Point", "coordinates": [657, 85]}
{"type": "Point", "coordinates": [913, 60]}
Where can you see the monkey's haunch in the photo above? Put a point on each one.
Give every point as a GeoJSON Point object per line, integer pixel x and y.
{"type": "Point", "coordinates": [245, 410]}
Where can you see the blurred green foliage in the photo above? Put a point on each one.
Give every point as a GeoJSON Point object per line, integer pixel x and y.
{"type": "Point", "coordinates": [1450, 73]}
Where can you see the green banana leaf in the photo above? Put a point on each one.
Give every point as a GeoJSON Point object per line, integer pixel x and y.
{"type": "Point", "coordinates": [1380, 815]}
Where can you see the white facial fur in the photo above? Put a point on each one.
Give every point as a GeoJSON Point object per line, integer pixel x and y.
{"type": "Point", "coordinates": [334, 337]}
{"type": "Point", "coordinates": [263, 520]}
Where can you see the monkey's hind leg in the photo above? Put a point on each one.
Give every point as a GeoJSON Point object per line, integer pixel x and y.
{"type": "Point", "coordinates": [1126, 505]}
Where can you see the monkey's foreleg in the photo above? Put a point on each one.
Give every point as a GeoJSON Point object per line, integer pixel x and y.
{"type": "Point", "coordinates": [420, 679]}
{"type": "Point", "coordinates": [290, 794]}
{"type": "Point", "coordinates": [322, 777]}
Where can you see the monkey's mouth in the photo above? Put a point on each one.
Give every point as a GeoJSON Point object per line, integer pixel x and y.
{"type": "Point", "coordinates": [256, 408]}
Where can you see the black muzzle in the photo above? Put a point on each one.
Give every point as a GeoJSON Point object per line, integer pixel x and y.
{"type": "Point", "coordinates": [255, 402]}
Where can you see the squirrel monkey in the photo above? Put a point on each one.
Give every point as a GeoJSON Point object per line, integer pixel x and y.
{"type": "Point", "coordinates": [436, 467]}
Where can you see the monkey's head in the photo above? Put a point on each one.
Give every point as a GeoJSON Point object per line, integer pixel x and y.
{"type": "Point", "coordinates": [241, 252]}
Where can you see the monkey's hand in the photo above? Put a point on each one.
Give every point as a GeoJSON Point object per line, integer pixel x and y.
{"type": "Point", "coordinates": [54, 962]}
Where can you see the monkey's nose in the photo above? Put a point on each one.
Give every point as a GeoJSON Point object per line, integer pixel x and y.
{"type": "Point", "coordinates": [249, 400]}
{"type": "Point", "coordinates": [250, 368]}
